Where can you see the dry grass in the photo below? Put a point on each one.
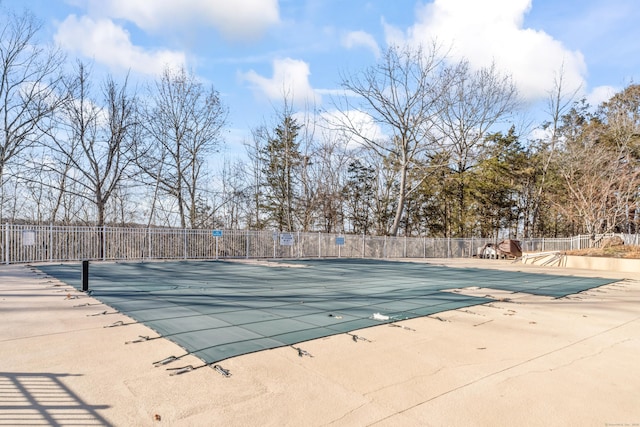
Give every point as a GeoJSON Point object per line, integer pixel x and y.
{"type": "Point", "coordinates": [622, 251]}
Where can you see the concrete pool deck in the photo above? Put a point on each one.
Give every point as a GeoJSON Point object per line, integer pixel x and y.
{"type": "Point", "coordinates": [521, 360]}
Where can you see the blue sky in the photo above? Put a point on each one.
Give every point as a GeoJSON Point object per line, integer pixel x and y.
{"type": "Point", "coordinates": [249, 50]}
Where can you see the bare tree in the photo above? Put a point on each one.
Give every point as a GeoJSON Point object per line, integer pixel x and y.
{"type": "Point", "coordinates": [183, 123]}
{"type": "Point", "coordinates": [559, 104]}
{"type": "Point", "coordinates": [96, 137]}
{"type": "Point", "coordinates": [471, 104]}
{"type": "Point", "coordinates": [359, 196]}
{"type": "Point", "coordinates": [329, 172]}
{"type": "Point", "coordinates": [622, 116]}
{"type": "Point", "coordinates": [307, 211]}
{"type": "Point", "coordinates": [231, 199]}
{"type": "Point", "coordinates": [30, 76]}
{"type": "Point", "coordinates": [254, 179]}
{"type": "Point", "coordinates": [399, 95]}
{"type": "Point", "coordinates": [600, 162]}
{"type": "Point", "coordinates": [599, 185]}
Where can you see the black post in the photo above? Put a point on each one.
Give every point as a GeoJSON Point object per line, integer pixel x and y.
{"type": "Point", "coordinates": [85, 276]}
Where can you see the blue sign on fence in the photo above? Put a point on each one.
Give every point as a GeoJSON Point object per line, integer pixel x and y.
{"type": "Point", "coordinates": [340, 240]}
{"type": "Point", "coordinates": [217, 233]}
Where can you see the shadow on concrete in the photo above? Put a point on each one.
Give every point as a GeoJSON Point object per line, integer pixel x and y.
{"type": "Point", "coordinates": [43, 399]}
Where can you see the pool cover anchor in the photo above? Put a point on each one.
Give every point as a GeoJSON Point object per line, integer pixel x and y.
{"type": "Point", "coordinates": [184, 369]}
{"type": "Point", "coordinates": [115, 324]}
{"type": "Point", "coordinates": [400, 326]}
{"type": "Point", "coordinates": [141, 338]}
{"type": "Point", "coordinates": [219, 369]}
{"type": "Point", "coordinates": [357, 338]}
{"type": "Point", "coordinates": [102, 313]}
{"type": "Point", "coordinates": [86, 304]}
{"type": "Point", "coordinates": [166, 361]}
{"type": "Point", "coordinates": [57, 285]}
{"type": "Point", "coordinates": [120, 323]}
{"type": "Point", "coordinates": [302, 352]}
{"type": "Point", "coordinates": [181, 370]}
{"type": "Point", "coordinates": [438, 318]}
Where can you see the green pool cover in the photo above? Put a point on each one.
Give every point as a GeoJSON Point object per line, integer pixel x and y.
{"type": "Point", "coordinates": [216, 310]}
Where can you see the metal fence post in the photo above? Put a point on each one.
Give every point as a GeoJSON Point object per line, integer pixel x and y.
{"type": "Point", "coordinates": [184, 239]}
{"type": "Point", "coordinates": [6, 244]}
{"type": "Point", "coordinates": [405, 246]}
{"type": "Point", "coordinates": [50, 248]}
{"type": "Point", "coordinates": [424, 247]}
{"type": "Point", "coordinates": [384, 247]}
{"type": "Point", "coordinates": [104, 243]}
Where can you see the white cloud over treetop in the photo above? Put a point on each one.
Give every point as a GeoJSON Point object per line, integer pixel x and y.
{"type": "Point", "coordinates": [110, 44]}
{"type": "Point", "coordinates": [492, 31]}
{"type": "Point", "coordinates": [235, 20]}
{"type": "Point", "coordinates": [356, 39]}
{"type": "Point", "coordinates": [334, 122]}
{"type": "Point", "coordinates": [290, 81]}
{"type": "Point", "coordinates": [601, 94]}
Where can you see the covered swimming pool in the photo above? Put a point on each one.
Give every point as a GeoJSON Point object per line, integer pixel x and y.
{"type": "Point", "coordinates": [220, 309]}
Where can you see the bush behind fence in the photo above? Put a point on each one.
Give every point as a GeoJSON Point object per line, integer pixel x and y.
{"type": "Point", "coordinates": [48, 243]}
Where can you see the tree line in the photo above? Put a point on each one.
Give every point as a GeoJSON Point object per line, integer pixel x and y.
{"type": "Point", "coordinates": [416, 145]}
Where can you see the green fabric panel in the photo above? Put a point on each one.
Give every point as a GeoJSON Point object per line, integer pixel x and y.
{"type": "Point", "coordinates": [216, 310]}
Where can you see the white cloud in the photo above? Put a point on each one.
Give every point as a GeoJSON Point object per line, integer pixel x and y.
{"type": "Point", "coordinates": [600, 94]}
{"type": "Point", "coordinates": [357, 39]}
{"type": "Point", "coordinates": [110, 44]}
{"type": "Point", "coordinates": [492, 31]}
{"type": "Point", "coordinates": [236, 20]}
{"type": "Point", "coordinates": [540, 134]}
{"type": "Point", "coordinates": [333, 123]}
{"type": "Point", "coordinates": [290, 80]}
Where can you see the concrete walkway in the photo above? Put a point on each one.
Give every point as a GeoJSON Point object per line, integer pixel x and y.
{"type": "Point", "coordinates": [520, 361]}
